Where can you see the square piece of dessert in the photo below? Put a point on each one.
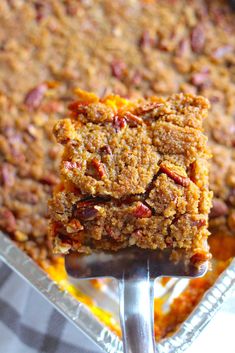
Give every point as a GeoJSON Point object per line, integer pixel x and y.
{"type": "Point", "coordinates": [133, 173]}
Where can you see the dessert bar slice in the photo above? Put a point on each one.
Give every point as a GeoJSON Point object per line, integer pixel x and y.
{"type": "Point", "coordinates": [133, 173]}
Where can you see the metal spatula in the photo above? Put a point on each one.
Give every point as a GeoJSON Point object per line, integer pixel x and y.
{"type": "Point", "coordinates": [135, 269]}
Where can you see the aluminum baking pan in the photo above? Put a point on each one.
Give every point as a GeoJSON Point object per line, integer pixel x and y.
{"type": "Point", "coordinates": [81, 316]}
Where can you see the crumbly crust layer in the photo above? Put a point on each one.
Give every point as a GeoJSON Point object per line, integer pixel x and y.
{"type": "Point", "coordinates": [133, 173]}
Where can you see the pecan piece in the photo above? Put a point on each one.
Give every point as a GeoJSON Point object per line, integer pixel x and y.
{"type": "Point", "coordinates": [142, 211]}
{"type": "Point", "coordinates": [7, 220]}
{"type": "Point", "coordinates": [105, 150]}
{"type": "Point", "coordinates": [219, 208]}
{"type": "Point", "coordinates": [197, 39]}
{"type": "Point", "coordinates": [148, 108]}
{"type": "Point", "coordinates": [178, 179]}
{"type": "Point", "coordinates": [132, 118]}
{"type": "Point", "coordinates": [199, 223]}
{"type": "Point", "coordinates": [145, 40]}
{"type": "Point", "coordinates": [35, 96]}
{"type": "Point", "coordinates": [78, 107]}
{"type": "Point", "coordinates": [87, 214]}
{"type": "Point", "coordinates": [74, 226]}
{"type": "Point", "coordinates": [200, 257]}
{"type": "Point", "coordinates": [99, 168]}
{"type": "Point", "coordinates": [201, 79]}
{"type": "Point", "coordinates": [118, 68]}
{"type": "Point", "coordinates": [119, 122]}
{"type": "Point", "coordinates": [7, 174]}
{"type": "Point", "coordinates": [50, 179]}
{"type": "Point", "coordinates": [43, 9]}
{"type": "Point", "coordinates": [70, 165]}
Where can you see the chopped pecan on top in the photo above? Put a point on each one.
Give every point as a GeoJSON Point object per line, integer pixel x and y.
{"type": "Point", "coordinates": [146, 41]}
{"type": "Point", "coordinates": [43, 9]}
{"type": "Point", "coordinates": [183, 47]}
{"type": "Point", "coordinates": [86, 213]}
{"type": "Point", "coordinates": [147, 107]}
{"type": "Point", "coordinates": [7, 174]}
{"type": "Point", "coordinates": [200, 257]}
{"type": "Point", "coordinates": [142, 211]}
{"type": "Point", "coordinates": [70, 165]}
{"type": "Point", "coordinates": [106, 149]}
{"type": "Point", "coordinates": [7, 220]}
{"type": "Point", "coordinates": [119, 122]}
{"type": "Point", "coordinates": [118, 68]}
{"type": "Point", "coordinates": [50, 179]}
{"type": "Point", "coordinates": [132, 118]}
{"type": "Point", "coordinates": [78, 107]}
{"type": "Point", "coordinates": [74, 226]}
{"type": "Point", "coordinates": [35, 96]}
{"type": "Point", "coordinates": [199, 223]}
{"type": "Point", "coordinates": [178, 179]}
{"type": "Point", "coordinates": [201, 79]}
{"type": "Point", "coordinates": [198, 39]}
{"type": "Point", "coordinates": [95, 169]}
{"type": "Point", "coordinates": [136, 78]}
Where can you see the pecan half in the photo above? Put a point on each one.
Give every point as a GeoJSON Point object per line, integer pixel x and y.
{"type": "Point", "coordinates": [178, 179]}
{"type": "Point", "coordinates": [142, 211]}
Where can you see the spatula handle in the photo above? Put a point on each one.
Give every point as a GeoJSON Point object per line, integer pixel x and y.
{"type": "Point", "coordinates": [137, 315]}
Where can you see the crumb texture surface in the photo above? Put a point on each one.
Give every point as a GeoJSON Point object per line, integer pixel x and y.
{"type": "Point", "coordinates": [132, 173]}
